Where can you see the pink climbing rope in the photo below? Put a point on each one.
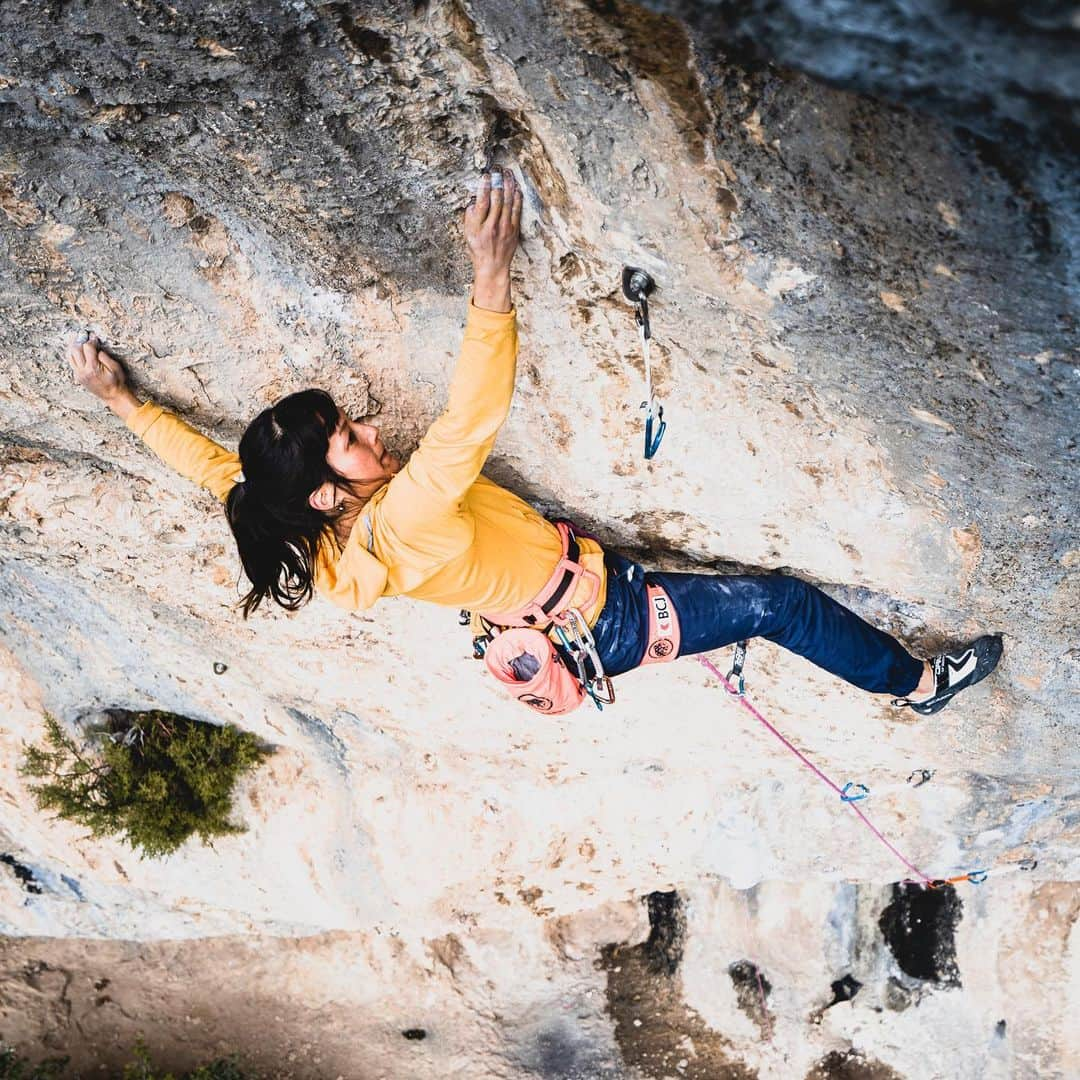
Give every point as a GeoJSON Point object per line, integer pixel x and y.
{"type": "Point", "coordinates": [707, 663]}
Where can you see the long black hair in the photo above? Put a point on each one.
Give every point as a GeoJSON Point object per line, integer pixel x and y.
{"type": "Point", "coordinates": [278, 532]}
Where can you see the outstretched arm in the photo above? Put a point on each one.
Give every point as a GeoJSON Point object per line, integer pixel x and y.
{"type": "Point", "coordinates": [181, 447]}
{"type": "Point", "coordinates": [453, 451]}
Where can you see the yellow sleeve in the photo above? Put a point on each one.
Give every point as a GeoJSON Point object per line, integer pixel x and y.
{"type": "Point", "coordinates": [182, 448]}
{"type": "Point", "coordinates": [452, 453]}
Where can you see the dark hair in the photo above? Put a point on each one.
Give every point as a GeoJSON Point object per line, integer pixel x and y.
{"type": "Point", "coordinates": [278, 532]}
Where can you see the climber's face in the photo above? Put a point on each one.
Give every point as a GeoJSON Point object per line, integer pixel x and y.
{"type": "Point", "coordinates": [356, 452]}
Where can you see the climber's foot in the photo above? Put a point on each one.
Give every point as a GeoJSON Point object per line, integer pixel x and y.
{"type": "Point", "coordinates": [957, 671]}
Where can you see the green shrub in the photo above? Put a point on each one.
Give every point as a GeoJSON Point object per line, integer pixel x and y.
{"type": "Point", "coordinates": [153, 777]}
{"type": "Point", "coordinates": [13, 1067]}
{"type": "Point", "coordinates": [143, 1069]}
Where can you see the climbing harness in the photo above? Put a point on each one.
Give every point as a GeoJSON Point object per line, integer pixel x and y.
{"type": "Point", "coordinates": [636, 286]}
{"type": "Point", "coordinates": [520, 653]}
{"type": "Point", "coordinates": [552, 602]}
{"type": "Point", "coordinates": [850, 793]}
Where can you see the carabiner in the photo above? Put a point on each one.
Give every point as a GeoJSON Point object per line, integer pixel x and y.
{"type": "Point", "coordinates": [861, 791]}
{"type": "Point", "coordinates": [736, 672]}
{"type": "Point", "coordinates": [653, 444]}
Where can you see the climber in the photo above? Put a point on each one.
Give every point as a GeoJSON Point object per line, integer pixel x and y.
{"type": "Point", "coordinates": [316, 501]}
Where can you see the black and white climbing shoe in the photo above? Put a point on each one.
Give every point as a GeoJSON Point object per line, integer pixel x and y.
{"type": "Point", "coordinates": [957, 671]}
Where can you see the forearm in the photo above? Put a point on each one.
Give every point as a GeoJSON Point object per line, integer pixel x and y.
{"type": "Point", "coordinates": [123, 403]}
{"type": "Point", "coordinates": [184, 449]}
{"type": "Point", "coordinates": [491, 290]}
{"type": "Point", "coordinates": [453, 451]}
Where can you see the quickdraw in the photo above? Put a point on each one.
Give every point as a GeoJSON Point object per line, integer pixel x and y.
{"type": "Point", "coordinates": [976, 877]}
{"type": "Point", "coordinates": [577, 640]}
{"type": "Point", "coordinates": [637, 284]}
{"type": "Point", "coordinates": [735, 675]}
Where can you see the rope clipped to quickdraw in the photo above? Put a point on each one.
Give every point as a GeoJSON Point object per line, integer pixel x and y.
{"type": "Point", "coordinates": [975, 877]}
{"type": "Point", "coordinates": [636, 286]}
{"type": "Point", "coordinates": [854, 792]}
{"type": "Point", "coordinates": [851, 793]}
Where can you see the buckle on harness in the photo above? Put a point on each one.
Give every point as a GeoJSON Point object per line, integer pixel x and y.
{"type": "Point", "coordinates": [549, 605]}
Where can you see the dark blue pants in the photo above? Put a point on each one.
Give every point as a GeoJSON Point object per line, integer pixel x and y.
{"type": "Point", "coordinates": [718, 609]}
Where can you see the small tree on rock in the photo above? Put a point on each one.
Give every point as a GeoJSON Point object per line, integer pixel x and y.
{"type": "Point", "coordinates": [153, 777]}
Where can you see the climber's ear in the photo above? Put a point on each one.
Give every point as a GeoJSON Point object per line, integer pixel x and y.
{"type": "Point", "coordinates": [323, 498]}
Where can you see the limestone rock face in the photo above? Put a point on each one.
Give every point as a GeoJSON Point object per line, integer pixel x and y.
{"type": "Point", "coordinates": [865, 346]}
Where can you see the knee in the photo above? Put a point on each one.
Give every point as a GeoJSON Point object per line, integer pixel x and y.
{"type": "Point", "coordinates": [789, 592]}
{"type": "Point", "coordinates": [792, 598]}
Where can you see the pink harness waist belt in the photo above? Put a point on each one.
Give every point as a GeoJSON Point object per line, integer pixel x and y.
{"type": "Point", "coordinates": [552, 602]}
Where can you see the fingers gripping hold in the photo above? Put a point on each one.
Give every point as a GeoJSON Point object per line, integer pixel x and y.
{"type": "Point", "coordinates": [94, 369]}
{"type": "Point", "coordinates": [478, 210]}
{"type": "Point", "coordinates": [492, 224]}
{"type": "Point", "coordinates": [496, 194]}
{"type": "Point", "coordinates": [515, 212]}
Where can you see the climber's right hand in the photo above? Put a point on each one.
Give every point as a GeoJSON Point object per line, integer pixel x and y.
{"type": "Point", "coordinates": [492, 223]}
{"type": "Point", "coordinates": [101, 374]}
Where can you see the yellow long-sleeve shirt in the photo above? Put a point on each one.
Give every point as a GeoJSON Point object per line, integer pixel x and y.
{"type": "Point", "coordinates": [438, 531]}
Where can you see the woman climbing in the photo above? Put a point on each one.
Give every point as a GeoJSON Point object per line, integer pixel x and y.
{"type": "Point", "coordinates": [316, 502]}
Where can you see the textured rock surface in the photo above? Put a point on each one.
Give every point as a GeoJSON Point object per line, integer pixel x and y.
{"type": "Point", "coordinates": [863, 340]}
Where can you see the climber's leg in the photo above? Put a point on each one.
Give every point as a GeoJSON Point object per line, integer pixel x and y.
{"type": "Point", "coordinates": [717, 610]}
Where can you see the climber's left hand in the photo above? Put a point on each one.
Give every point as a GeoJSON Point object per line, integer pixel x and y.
{"type": "Point", "coordinates": [102, 375]}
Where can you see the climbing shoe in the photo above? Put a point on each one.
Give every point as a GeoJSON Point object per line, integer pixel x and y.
{"type": "Point", "coordinates": [957, 671]}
